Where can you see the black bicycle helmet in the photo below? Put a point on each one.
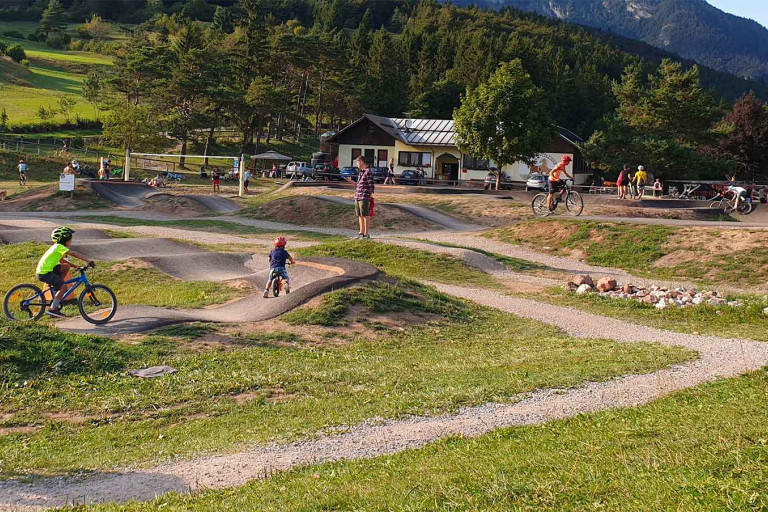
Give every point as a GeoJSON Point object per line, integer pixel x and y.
{"type": "Point", "coordinates": [62, 234]}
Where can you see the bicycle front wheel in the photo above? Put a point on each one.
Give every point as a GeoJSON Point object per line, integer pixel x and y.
{"type": "Point", "coordinates": [574, 203]}
{"type": "Point", "coordinates": [539, 205]}
{"type": "Point", "coordinates": [716, 204]}
{"type": "Point", "coordinates": [97, 304]}
{"type": "Point", "coordinates": [24, 302]}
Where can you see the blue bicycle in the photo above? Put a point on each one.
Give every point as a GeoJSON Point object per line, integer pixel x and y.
{"type": "Point", "coordinates": [97, 303]}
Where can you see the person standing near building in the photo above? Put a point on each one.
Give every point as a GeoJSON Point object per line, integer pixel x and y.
{"type": "Point", "coordinates": [391, 173]}
{"type": "Point", "coordinates": [364, 197]}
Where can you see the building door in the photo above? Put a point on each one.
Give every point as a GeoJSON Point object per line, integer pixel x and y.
{"type": "Point", "coordinates": [369, 154]}
{"type": "Point", "coordinates": [450, 171]}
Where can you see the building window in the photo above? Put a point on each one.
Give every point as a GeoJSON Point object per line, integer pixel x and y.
{"type": "Point", "coordinates": [369, 156]}
{"type": "Point", "coordinates": [356, 152]}
{"type": "Point", "coordinates": [471, 162]}
{"type": "Point", "coordinates": [383, 157]}
{"type": "Point", "coordinates": [413, 158]}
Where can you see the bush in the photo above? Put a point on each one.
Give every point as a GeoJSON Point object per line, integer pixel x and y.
{"type": "Point", "coordinates": [36, 36]}
{"type": "Point", "coordinates": [15, 34]}
{"type": "Point", "coordinates": [3, 47]}
{"type": "Point", "coordinates": [82, 32]}
{"type": "Point", "coordinates": [76, 46]}
{"type": "Point", "coordinates": [16, 52]}
{"type": "Point", "coordinates": [25, 63]}
{"type": "Point", "coordinates": [58, 40]}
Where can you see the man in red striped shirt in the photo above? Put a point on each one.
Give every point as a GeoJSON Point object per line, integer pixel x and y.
{"type": "Point", "coordinates": [364, 197]}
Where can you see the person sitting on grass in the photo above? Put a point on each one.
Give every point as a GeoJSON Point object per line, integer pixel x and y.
{"type": "Point", "coordinates": [277, 260]}
{"type": "Point", "coordinates": [555, 182]}
{"type": "Point", "coordinates": [54, 266]}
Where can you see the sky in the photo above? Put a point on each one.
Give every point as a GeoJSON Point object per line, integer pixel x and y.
{"type": "Point", "coordinates": [753, 9]}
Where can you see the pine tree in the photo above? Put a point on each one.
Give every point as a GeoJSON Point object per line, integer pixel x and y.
{"type": "Point", "coordinates": [222, 19]}
{"type": "Point", "coordinates": [53, 18]}
{"type": "Point", "coordinates": [387, 76]}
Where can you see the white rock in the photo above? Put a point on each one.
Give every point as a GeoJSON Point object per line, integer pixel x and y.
{"type": "Point", "coordinates": [700, 300]}
{"type": "Point", "coordinates": [661, 305]}
{"type": "Point", "coordinates": [583, 289]}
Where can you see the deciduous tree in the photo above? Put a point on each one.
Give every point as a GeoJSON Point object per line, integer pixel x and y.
{"type": "Point", "coordinates": [505, 119]}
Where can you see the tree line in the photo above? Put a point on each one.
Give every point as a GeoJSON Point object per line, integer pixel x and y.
{"type": "Point", "coordinates": [277, 68]}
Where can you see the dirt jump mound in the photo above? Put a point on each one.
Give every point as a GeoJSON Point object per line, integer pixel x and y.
{"type": "Point", "coordinates": [309, 278]}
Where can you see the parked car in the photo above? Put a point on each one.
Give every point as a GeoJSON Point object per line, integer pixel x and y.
{"type": "Point", "coordinates": [379, 174]}
{"type": "Point", "coordinates": [536, 181]}
{"type": "Point", "coordinates": [409, 178]}
{"type": "Point", "coordinates": [296, 170]}
{"type": "Point", "coordinates": [349, 173]}
{"type": "Point", "coordinates": [327, 172]}
{"type": "Point", "coordinates": [490, 181]}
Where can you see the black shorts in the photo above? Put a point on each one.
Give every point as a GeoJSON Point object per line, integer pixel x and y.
{"type": "Point", "coordinates": [53, 278]}
{"type": "Point", "coordinates": [556, 186]}
{"type": "Point", "coordinates": [245, 183]}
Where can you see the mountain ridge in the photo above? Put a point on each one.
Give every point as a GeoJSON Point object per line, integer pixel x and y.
{"type": "Point", "coordinates": [693, 29]}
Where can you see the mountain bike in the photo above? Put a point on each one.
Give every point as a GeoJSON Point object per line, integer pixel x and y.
{"type": "Point", "coordinates": [97, 303]}
{"type": "Point", "coordinates": [22, 178]}
{"type": "Point", "coordinates": [574, 204]}
{"type": "Point", "coordinates": [745, 207]}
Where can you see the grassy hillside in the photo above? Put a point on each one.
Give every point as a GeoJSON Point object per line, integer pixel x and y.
{"type": "Point", "coordinates": [51, 73]}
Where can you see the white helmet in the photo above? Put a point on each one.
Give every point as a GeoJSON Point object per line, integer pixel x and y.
{"type": "Point", "coordinates": [640, 168]}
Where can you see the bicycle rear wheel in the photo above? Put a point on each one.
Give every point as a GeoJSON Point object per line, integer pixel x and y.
{"type": "Point", "coordinates": [24, 302]}
{"type": "Point", "coordinates": [97, 304]}
{"type": "Point", "coordinates": [539, 205]}
{"type": "Point", "coordinates": [574, 203]}
{"type": "Point", "coordinates": [276, 287]}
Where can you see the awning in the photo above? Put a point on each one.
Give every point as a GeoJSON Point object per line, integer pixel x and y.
{"type": "Point", "coordinates": [271, 155]}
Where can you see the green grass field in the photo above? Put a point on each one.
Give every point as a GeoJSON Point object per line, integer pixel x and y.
{"type": "Point", "coordinates": [51, 73]}
{"type": "Point", "coordinates": [702, 450]}
{"type": "Point", "coordinates": [419, 368]}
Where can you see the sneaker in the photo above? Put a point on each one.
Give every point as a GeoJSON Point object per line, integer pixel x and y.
{"type": "Point", "coordinates": [56, 313]}
{"type": "Point", "coordinates": [366, 237]}
{"type": "Point", "coordinates": [266, 294]}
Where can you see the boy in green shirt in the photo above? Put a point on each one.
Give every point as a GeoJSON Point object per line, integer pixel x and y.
{"type": "Point", "coordinates": [53, 266]}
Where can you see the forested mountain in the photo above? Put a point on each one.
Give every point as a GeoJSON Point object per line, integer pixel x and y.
{"type": "Point", "coordinates": [690, 28]}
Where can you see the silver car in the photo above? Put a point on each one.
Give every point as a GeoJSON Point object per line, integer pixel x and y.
{"type": "Point", "coordinates": [536, 181]}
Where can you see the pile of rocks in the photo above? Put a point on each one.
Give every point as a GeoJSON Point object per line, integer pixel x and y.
{"type": "Point", "coordinates": [659, 296]}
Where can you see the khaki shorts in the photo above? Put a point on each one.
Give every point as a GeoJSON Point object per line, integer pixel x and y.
{"type": "Point", "coordinates": [363, 208]}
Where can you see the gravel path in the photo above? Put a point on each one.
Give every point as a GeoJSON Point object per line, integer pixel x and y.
{"type": "Point", "coordinates": [718, 358]}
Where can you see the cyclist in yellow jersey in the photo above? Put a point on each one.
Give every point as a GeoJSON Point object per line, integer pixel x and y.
{"type": "Point", "coordinates": [555, 182]}
{"type": "Point", "coordinates": [53, 266]}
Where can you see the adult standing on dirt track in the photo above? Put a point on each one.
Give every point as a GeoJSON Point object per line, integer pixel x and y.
{"type": "Point", "coordinates": [364, 197]}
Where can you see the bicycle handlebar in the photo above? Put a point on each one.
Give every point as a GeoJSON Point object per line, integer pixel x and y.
{"type": "Point", "coordinates": [86, 267]}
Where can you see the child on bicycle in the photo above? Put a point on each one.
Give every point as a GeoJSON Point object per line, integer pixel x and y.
{"type": "Point", "coordinates": [22, 171]}
{"type": "Point", "coordinates": [53, 266]}
{"type": "Point", "coordinates": [277, 260]}
{"type": "Point", "coordinates": [555, 182]}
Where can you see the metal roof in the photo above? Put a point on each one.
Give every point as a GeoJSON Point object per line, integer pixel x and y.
{"type": "Point", "coordinates": [427, 132]}
{"type": "Point", "coordinates": [431, 132]}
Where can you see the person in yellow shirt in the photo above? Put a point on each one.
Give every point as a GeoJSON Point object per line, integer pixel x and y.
{"type": "Point", "coordinates": [641, 180]}
{"type": "Point", "coordinates": [53, 266]}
